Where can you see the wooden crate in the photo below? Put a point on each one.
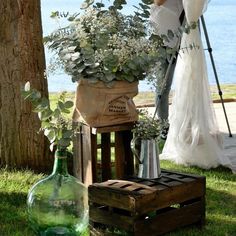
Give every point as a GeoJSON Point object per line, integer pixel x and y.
{"type": "Point", "coordinates": [86, 146]}
{"type": "Point", "coordinates": [147, 207]}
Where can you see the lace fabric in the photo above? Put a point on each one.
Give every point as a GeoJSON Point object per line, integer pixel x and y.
{"type": "Point", "coordinates": [166, 17]}
{"type": "Point", "coordinates": [194, 137]}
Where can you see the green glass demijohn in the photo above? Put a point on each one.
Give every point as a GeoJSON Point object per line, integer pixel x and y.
{"type": "Point", "coordinates": [58, 204]}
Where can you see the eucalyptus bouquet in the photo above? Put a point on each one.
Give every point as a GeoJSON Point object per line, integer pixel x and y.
{"type": "Point", "coordinates": [102, 43]}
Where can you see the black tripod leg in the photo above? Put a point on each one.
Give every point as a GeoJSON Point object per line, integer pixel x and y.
{"type": "Point", "coordinates": [215, 73]}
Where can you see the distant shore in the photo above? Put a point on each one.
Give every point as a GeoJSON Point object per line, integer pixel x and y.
{"type": "Point", "coordinates": [229, 95]}
{"type": "Point", "coordinates": [146, 99]}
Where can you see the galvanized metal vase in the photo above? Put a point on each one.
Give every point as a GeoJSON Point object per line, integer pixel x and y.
{"type": "Point", "coordinates": [147, 153]}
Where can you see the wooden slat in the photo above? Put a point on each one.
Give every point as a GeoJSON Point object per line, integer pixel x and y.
{"type": "Point", "coordinates": [181, 174]}
{"type": "Point", "coordinates": [113, 199]}
{"type": "Point", "coordinates": [169, 221]}
{"type": "Point", "coordinates": [94, 157]}
{"type": "Point", "coordinates": [113, 128]}
{"type": "Point", "coordinates": [123, 186]}
{"type": "Point", "coordinates": [119, 155]}
{"type": "Point", "coordinates": [129, 158]}
{"type": "Point", "coordinates": [106, 156]}
{"type": "Point", "coordinates": [110, 218]}
{"type": "Point", "coordinates": [167, 197]}
{"type": "Point", "coordinates": [87, 158]}
{"type": "Point", "coordinates": [180, 180]}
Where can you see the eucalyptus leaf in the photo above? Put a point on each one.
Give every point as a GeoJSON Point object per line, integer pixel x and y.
{"type": "Point", "coordinates": [64, 142]}
{"type": "Point", "coordinates": [51, 136]}
{"type": "Point", "coordinates": [44, 103]}
{"type": "Point", "coordinates": [100, 5]}
{"type": "Point", "coordinates": [38, 108]}
{"type": "Point", "coordinates": [67, 134]}
{"type": "Point", "coordinates": [109, 77]}
{"type": "Point", "coordinates": [91, 71]}
{"type": "Point", "coordinates": [27, 86]}
{"type": "Point", "coordinates": [144, 6]}
{"type": "Point", "coordinates": [57, 113]}
{"type": "Point", "coordinates": [66, 56]}
{"type": "Point", "coordinates": [68, 104]}
{"type": "Point", "coordinates": [26, 94]}
{"type": "Point", "coordinates": [75, 56]}
{"type": "Point", "coordinates": [45, 124]}
{"type": "Point", "coordinates": [60, 105]}
{"type": "Point", "coordinates": [129, 78]}
{"type": "Point", "coordinates": [148, 2]}
{"type": "Point", "coordinates": [51, 147]}
{"type": "Point", "coordinates": [45, 115]}
{"type": "Point", "coordinates": [132, 65]}
{"type": "Point", "coordinates": [95, 65]}
{"type": "Point", "coordinates": [66, 111]}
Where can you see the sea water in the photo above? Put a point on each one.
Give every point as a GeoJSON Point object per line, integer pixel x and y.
{"type": "Point", "coordinates": [220, 21]}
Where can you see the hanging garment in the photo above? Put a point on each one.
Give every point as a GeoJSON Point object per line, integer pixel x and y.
{"type": "Point", "coordinates": [166, 17]}
{"type": "Point", "coordinates": [194, 137]}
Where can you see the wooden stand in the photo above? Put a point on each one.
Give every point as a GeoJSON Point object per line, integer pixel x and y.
{"type": "Point", "coordinates": [86, 146]}
{"type": "Point", "coordinates": [147, 207]}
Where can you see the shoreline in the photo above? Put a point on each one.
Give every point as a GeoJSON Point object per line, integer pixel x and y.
{"type": "Point", "coordinates": [227, 100]}
{"type": "Point", "coordinates": [228, 94]}
{"type": "Point", "coordinates": [147, 98]}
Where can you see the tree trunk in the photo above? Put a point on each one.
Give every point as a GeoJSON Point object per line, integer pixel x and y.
{"type": "Point", "coordinates": [21, 60]}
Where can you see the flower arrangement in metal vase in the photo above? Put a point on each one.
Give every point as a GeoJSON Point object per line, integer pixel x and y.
{"type": "Point", "coordinates": [147, 127]}
{"type": "Point", "coordinates": [103, 44]}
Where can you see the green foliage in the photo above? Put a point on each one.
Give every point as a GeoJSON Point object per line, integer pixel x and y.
{"type": "Point", "coordinates": [104, 44]}
{"type": "Point", "coordinates": [54, 123]}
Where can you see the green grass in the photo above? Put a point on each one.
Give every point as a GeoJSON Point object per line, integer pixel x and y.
{"type": "Point", "coordinates": [220, 202]}
{"type": "Point", "coordinates": [14, 186]}
{"type": "Point", "coordinates": [220, 193]}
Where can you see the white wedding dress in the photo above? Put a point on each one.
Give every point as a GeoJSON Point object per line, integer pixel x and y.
{"type": "Point", "coordinates": [194, 137]}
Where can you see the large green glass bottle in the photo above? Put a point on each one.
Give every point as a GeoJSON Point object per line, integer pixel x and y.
{"type": "Point", "coordinates": [58, 204]}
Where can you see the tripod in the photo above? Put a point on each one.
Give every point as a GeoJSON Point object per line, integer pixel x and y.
{"type": "Point", "coordinates": [215, 73]}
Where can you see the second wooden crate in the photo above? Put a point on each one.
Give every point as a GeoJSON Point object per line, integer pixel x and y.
{"type": "Point", "coordinates": [147, 207]}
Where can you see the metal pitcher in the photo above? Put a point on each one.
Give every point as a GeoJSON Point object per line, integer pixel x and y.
{"type": "Point", "coordinates": [147, 154]}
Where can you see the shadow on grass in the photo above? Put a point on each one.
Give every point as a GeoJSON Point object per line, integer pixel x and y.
{"type": "Point", "coordinates": [221, 204]}
{"type": "Point", "coordinates": [13, 214]}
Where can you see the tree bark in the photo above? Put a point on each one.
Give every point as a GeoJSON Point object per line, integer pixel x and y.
{"type": "Point", "coordinates": [21, 59]}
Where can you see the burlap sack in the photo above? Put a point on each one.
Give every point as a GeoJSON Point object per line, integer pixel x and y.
{"type": "Point", "coordinates": [97, 105]}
